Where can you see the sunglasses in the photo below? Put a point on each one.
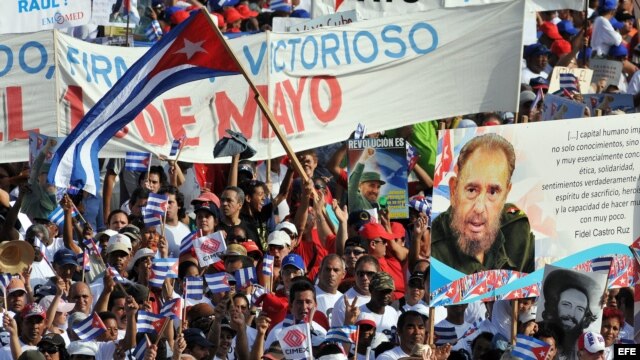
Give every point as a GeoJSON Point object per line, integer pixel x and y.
{"type": "Point", "coordinates": [49, 349]}
{"type": "Point", "coordinates": [319, 186]}
{"type": "Point", "coordinates": [368, 274]}
{"type": "Point", "coordinates": [355, 252]}
{"type": "Point", "coordinates": [238, 239]}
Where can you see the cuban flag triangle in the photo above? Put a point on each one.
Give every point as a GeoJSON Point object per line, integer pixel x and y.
{"type": "Point", "coordinates": [137, 161]}
{"type": "Point", "coordinates": [267, 265]}
{"type": "Point", "coordinates": [90, 328]}
{"type": "Point", "coordinates": [169, 266]}
{"type": "Point", "coordinates": [91, 246]}
{"type": "Point", "coordinates": [193, 288]}
{"type": "Point", "coordinates": [217, 282]}
{"type": "Point", "coordinates": [172, 309]}
{"type": "Point", "coordinates": [157, 203]}
{"type": "Point", "coordinates": [149, 322]}
{"type": "Point", "coordinates": [116, 275]}
{"type": "Point", "coordinates": [186, 245]}
{"type": "Point", "coordinates": [193, 50]}
{"type": "Point", "coordinates": [530, 348]}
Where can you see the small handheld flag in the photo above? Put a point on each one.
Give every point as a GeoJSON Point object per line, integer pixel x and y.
{"type": "Point", "coordinates": [157, 276]}
{"type": "Point", "coordinates": [361, 132]}
{"type": "Point", "coordinates": [140, 350]}
{"type": "Point", "coordinates": [346, 334]}
{"type": "Point", "coordinates": [172, 309]}
{"type": "Point", "coordinates": [193, 287]}
{"type": "Point", "coordinates": [187, 243]}
{"type": "Point", "coordinates": [5, 279]}
{"type": "Point", "coordinates": [137, 161]}
{"type": "Point", "coordinates": [245, 276]}
{"type": "Point", "coordinates": [150, 218]}
{"type": "Point", "coordinates": [169, 266]}
{"type": "Point", "coordinates": [445, 335]}
{"type": "Point", "coordinates": [530, 348]}
{"type": "Point", "coordinates": [90, 328]}
{"type": "Point", "coordinates": [149, 322]}
{"type": "Point", "coordinates": [217, 282]}
{"type": "Point", "coordinates": [157, 204]}
{"type": "Point", "coordinates": [267, 265]}
{"type": "Point", "coordinates": [57, 215]}
{"type": "Point", "coordinates": [176, 145]}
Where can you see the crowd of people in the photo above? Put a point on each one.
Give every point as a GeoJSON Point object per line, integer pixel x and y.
{"type": "Point", "coordinates": [330, 261]}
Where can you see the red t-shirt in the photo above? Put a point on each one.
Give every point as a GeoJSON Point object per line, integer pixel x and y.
{"type": "Point", "coordinates": [312, 252]}
{"type": "Point", "coordinates": [393, 267]}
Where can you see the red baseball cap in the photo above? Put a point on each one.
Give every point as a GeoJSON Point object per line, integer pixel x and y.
{"type": "Point", "coordinates": [397, 230]}
{"type": "Point", "coordinates": [371, 231]}
{"type": "Point", "coordinates": [251, 247]}
{"type": "Point", "coordinates": [551, 30]}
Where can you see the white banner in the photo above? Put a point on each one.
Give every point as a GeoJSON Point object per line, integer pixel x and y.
{"type": "Point", "coordinates": [27, 92]}
{"type": "Point", "coordinates": [535, 5]}
{"type": "Point", "coordinates": [21, 16]}
{"type": "Point", "coordinates": [320, 83]}
{"type": "Point", "coordinates": [337, 19]}
{"type": "Point", "coordinates": [371, 9]}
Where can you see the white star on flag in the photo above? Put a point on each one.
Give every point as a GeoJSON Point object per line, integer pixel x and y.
{"type": "Point", "coordinates": [191, 48]}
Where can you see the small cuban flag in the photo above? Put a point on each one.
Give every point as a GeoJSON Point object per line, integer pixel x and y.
{"type": "Point", "coordinates": [217, 282]}
{"type": "Point", "coordinates": [5, 279]}
{"type": "Point", "coordinates": [91, 246]}
{"type": "Point", "coordinates": [172, 309]}
{"type": "Point", "coordinates": [245, 276]}
{"type": "Point", "coordinates": [150, 218]}
{"type": "Point", "coordinates": [137, 161]}
{"type": "Point", "coordinates": [267, 265]}
{"type": "Point", "coordinates": [186, 245]}
{"type": "Point", "coordinates": [445, 335]}
{"type": "Point", "coordinates": [194, 289]}
{"type": "Point", "coordinates": [157, 204]}
{"type": "Point", "coordinates": [90, 328]}
{"type": "Point", "coordinates": [361, 132]}
{"type": "Point", "coordinates": [176, 145]}
{"type": "Point", "coordinates": [343, 334]}
{"type": "Point", "coordinates": [140, 350]}
{"type": "Point", "coordinates": [57, 215]}
{"type": "Point", "coordinates": [149, 322]}
{"type": "Point", "coordinates": [116, 275]}
{"type": "Point", "coordinates": [530, 348]}
{"type": "Point", "coordinates": [170, 266]}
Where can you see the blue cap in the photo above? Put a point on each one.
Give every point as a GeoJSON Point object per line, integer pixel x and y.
{"type": "Point", "coordinates": [65, 257]}
{"type": "Point", "coordinates": [535, 50]}
{"type": "Point", "coordinates": [300, 13]}
{"type": "Point", "coordinates": [566, 27]}
{"type": "Point", "coordinates": [608, 5]}
{"type": "Point", "coordinates": [618, 51]}
{"type": "Point", "coordinates": [294, 260]}
{"type": "Point", "coordinates": [617, 25]}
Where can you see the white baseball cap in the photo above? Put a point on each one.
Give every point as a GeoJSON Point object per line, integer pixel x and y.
{"type": "Point", "coordinates": [279, 238]}
{"type": "Point", "coordinates": [119, 242]}
{"type": "Point", "coordinates": [591, 342]}
{"type": "Point", "coordinates": [285, 225]}
{"type": "Point", "coordinates": [63, 306]}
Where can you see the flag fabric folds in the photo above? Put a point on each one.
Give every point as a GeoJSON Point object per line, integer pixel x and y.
{"type": "Point", "coordinates": [530, 348]}
{"type": "Point", "coordinates": [172, 309]}
{"type": "Point", "coordinates": [149, 322]}
{"type": "Point", "coordinates": [347, 333]}
{"type": "Point", "coordinates": [176, 145]}
{"type": "Point", "coordinates": [245, 276]}
{"type": "Point", "coordinates": [192, 51]}
{"type": "Point", "coordinates": [90, 328]}
{"type": "Point", "coordinates": [194, 289]}
{"type": "Point", "coordinates": [445, 335]}
{"type": "Point", "coordinates": [137, 161]}
{"type": "Point", "coordinates": [267, 265]}
{"type": "Point", "coordinates": [57, 215]}
{"type": "Point", "coordinates": [217, 282]}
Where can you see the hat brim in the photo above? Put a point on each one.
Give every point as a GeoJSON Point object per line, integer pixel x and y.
{"type": "Point", "coordinates": [382, 182]}
{"type": "Point", "coordinates": [65, 307]}
{"type": "Point", "coordinates": [15, 256]}
{"type": "Point", "coordinates": [366, 322]}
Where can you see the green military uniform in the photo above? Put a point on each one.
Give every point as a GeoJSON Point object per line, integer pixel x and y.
{"type": "Point", "coordinates": [513, 248]}
{"type": "Point", "coordinates": [355, 198]}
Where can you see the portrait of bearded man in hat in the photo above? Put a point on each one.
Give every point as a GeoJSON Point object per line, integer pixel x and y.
{"type": "Point", "coordinates": [571, 301]}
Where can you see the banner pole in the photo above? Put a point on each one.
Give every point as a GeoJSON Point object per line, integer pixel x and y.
{"type": "Point", "coordinates": [262, 104]}
{"type": "Point", "coordinates": [514, 320]}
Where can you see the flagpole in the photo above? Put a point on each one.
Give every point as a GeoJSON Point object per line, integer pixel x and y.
{"type": "Point", "coordinates": [514, 320]}
{"type": "Point", "coordinates": [184, 307]}
{"type": "Point", "coordinates": [164, 326]}
{"type": "Point", "coordinates": [432, 314]}
{"type": "Point", "coordinates": [149, 171]}
{"type": "Point", "coordinates": [261, 103]}
{"type": "Point", "coordinates": [4, 295]}
{"type": "Point", "coordinates": [355, 352]}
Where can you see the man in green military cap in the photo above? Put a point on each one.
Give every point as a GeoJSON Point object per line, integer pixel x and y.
{"type": "Point", "coordinates": [364, 186]}
{"type": "Point", "coordinates": [480, 231]}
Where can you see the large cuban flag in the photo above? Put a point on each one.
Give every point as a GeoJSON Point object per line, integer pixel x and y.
{"type": "Point", "coordinates": [194, 50]}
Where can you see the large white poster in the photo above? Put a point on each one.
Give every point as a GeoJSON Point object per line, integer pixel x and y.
{"type": "Point", "coordinates": [27, 92]}
{"type": "Point", "coordinates": [20, 16]}
{"type": "Point", "coordinates": [567, 188]}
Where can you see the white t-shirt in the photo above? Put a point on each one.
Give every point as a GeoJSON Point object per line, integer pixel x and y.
{"type": "Point", "coordinates": [527, 75]}
{"type": "Point", "coordinates": [393, 354]}
{"type": "Point", "coordinates": [385, 323]}
{"type": "Point", "coordinates": [274, 334]}
{"type": "Point", "coordinates": [327, 301]}
{"type": "Point", "coordinates": [604, 36]}
{"type": "Point", "coordinates": [41, 272]}
{"type": "Point", "coordinates": [337, 315]}
{"type": "Point", "coordinates": [51, 250]}
{"type": "Point", "coordinates": [5, 351]}
{"type": "Point", "coordinates": [174, 235]}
